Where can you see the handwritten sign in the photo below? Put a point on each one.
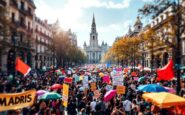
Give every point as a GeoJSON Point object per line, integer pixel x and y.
{"type": "Point", "coordinates": [117, 79]}
{"type": "Point", "coordinates": [93, 86]}
{"type": "Point", "coordinates": [97, 94]}
{"type": "Point", "coordinates": [120, 89]}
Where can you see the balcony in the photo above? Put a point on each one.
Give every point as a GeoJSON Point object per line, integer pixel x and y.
{"type": "Point", "coordinates": [23, 25]}
{"type": "Point", "coordinates": [3, 2]}
{"type": "Point", "coordinates": [29, 13]}
{"type": "Point", "coordinates": [23, 11]}
{"type": "Point", "coordinates": [14, 3]}
{"type": "Point", "coordinates": [23, 45]}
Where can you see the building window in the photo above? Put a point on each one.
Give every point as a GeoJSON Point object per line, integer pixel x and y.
{"type": "Point", "coordinates": [93, 38]}
{"type": "Point", "coordinates": [29, 11]}
{"type": "Point", "coordinates": [21, 38]}
{"type": "Point", "coordinates": [183, 47]}
{"type": "Point", "coordinates": [22, 5]}
{"type": "Point", "coordinates": [13, 17]}
{"type": "Point", "coordinates": [93, 55]}
{"type": "Point", "coordinates": [28, 25]}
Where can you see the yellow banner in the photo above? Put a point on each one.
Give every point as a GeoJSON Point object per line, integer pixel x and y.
{"type": "Point", "coordinates": [65, 94]}
{"type": "Point", "coordinates": [12, 101]}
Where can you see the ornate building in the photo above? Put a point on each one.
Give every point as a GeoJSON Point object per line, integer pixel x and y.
{"type": "Point", "coordinates": [19, 40]}
{"type": "Point", "coordinates": [26, 36]}
{"type": "Point", "coordinates": [94, 51]}
{"type": "Point", "coordinates": [72, 37]}
{"type": "Point", "coordinates": [44, 44]}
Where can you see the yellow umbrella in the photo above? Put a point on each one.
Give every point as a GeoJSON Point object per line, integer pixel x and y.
{"type": "Point", "coordinates": [101, 74]}
{"type": "Point", "coordinates": [164, 99]}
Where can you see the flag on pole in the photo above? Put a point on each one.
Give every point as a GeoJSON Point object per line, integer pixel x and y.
{"type": "Point", "coordinates": [22, 67]}
{"type": "Point", "coordinates": [167, 72]}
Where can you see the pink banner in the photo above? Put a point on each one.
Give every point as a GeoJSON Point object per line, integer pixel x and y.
{"type": "Point", "coordinates": [118, 69]}
{"type": "Point", "coordinates": [106, 79]}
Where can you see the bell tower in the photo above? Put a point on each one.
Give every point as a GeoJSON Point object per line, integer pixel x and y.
{"type": "Point", "coordinates": [93, 34]}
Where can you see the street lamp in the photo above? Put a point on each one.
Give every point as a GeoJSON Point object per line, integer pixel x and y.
{"type": "Point", "coordinates": [177, 48]}
{"type": "Point", "coordinates": [15, 37]}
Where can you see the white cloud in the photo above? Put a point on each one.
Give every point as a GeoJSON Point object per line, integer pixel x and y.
{"type": "Point", "coordinates": [147, 0]}
{"type": "Point", "coordinates": [71, 13]}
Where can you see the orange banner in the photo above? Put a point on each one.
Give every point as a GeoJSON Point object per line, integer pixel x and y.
{"type": "Point", "coordinates": [17, 100]}
{"type": "Point", "coordinates": [120, 89]}
{"type": "Point", "coordinates": [93, 86]}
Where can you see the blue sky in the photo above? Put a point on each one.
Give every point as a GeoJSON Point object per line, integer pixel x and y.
{"type": "Point", "coordinates": [113, 17]}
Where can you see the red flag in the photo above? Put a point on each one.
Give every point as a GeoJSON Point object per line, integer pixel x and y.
{"type": "Point", "coordinates": [22, 67]}
{"type": "Point", "coordinates": [167, 72]}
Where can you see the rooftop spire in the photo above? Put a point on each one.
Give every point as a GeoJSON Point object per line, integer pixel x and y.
{"type": "Point", "coordinates": [93, 21]}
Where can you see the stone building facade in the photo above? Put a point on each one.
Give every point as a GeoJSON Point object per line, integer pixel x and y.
{"type": "Point", "coordinates": [28, 37]}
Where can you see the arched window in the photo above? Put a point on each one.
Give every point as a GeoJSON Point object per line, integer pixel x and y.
{"type": "Point", "coordinates": [93, 37]}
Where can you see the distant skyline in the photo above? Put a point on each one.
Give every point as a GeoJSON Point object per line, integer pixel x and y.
{"type": "Point", "coordinates": [113, 17]}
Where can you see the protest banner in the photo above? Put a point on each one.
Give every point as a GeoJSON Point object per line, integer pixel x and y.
{"type": "Point", "coordinates": [65, 94]}
{"type": "Point", "coordinates": [109, 87]}
{"type": "Point", "coordinates": [136, 78]}
{"type": "Point", "coordinates": [85, 82]}
{"type": "Point", "coordinates": [106, 79]}
{"type": "Point", "coordinates": [117, 79]}
{"type": "Point", "coordinates": [93, 86]}
{"type": "Point", "coordinates": [120, 89]}
{"type": "Point", "coordinates": [12, 101]}
{"type": "Point", "coordinates": [68, 80]}
{"type": "Point", "coordinates": [97, 94]}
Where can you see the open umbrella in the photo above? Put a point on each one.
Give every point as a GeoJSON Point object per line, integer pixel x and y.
{"type": "Point", "coordinates": [152, 88]}
{"type": "Point", "coordinates": [41, 92]}
{"type": "Point", "coordinates": [109, 95]}
{"type": "Point", "coordinates": [101, 74]}
{"type": "Point", "coordinates": [56, 86]}
{"type": "Point", "coordinates": [183, 77]}
{"type": "Point", "coordinates": [141, 79]}
{"type": "Point", "coordinates": [164, 99]}
{"type": "Point", "coordinates": [171, 90]}
{"type": "Point", "coordinates": [50, 96]}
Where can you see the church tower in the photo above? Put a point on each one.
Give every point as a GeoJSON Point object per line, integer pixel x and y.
{"type": "Point", "coordinates": [93, 34]}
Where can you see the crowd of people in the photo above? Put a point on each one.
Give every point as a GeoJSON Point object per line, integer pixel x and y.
{"type": "Point", "coordinates": [83, 102]}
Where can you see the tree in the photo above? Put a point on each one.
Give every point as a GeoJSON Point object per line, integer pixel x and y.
{"type": "Point", "coordinates": [177, 23]}
{"type": "Point", "coordinates": [124, 49]}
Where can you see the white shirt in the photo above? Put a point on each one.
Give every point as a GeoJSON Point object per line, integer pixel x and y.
{"type": "Point", "coordinates": [92, 105]}
{"type": "Point", "coordinates": [127, 105]}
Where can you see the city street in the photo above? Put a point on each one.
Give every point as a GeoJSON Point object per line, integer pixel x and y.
{"type": "Point", "coordinates": [92, 57]}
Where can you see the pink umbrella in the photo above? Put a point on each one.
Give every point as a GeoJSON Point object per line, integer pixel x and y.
{"type": "Point", "coordinates": [109, 95]}
{"type": "Point", "coordinates": [41, 92]}
{"type": "Point", "coordinates": [171, 90]}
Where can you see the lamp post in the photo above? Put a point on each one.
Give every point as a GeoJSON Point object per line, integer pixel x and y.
{"type": "Point", "coordinates": [178, 46]}
{"type": "Point", "coordinates": [15, 37]}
